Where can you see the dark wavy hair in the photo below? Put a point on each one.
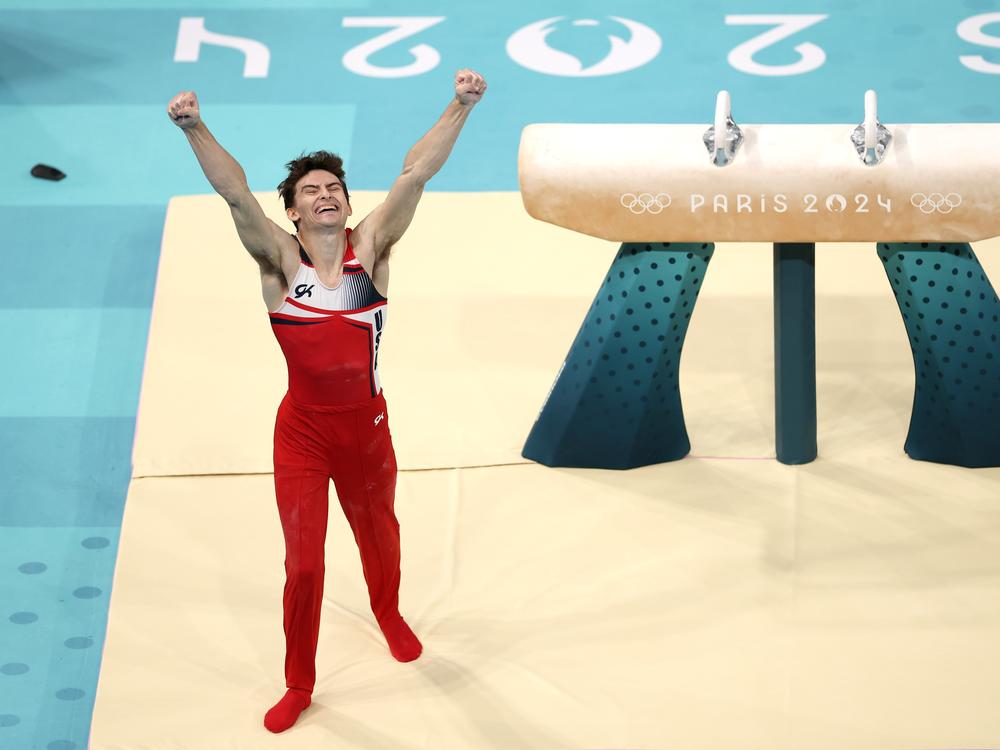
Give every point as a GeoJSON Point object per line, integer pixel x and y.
{"type": "Point", "coordinates": [298, 168]}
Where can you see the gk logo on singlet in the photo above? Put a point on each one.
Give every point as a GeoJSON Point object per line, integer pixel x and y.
{"type": "Point", "coordinates": [303, 290]}
{"type": "Point", "coordinates": [378, 334]}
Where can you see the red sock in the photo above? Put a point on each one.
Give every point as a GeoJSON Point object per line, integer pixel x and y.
{"type": "Point", "coordinates": [403, 644]}
{"type": "Point", "coordinates": [286, 712]}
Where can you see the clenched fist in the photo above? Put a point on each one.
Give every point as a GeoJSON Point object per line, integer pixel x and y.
{"type": "Point", "coordinates": [183, 110]}
{"type": "Point", "coordinates": [469, 87]}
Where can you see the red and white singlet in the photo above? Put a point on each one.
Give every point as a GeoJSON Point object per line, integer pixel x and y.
{"type": "Point", "coordinates": [330, 336]}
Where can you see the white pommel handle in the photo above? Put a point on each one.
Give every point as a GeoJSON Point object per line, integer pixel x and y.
{"type": "Point", "coordinates": [871, 119]}
{"type": "Point", "coordinates": [723, 110]}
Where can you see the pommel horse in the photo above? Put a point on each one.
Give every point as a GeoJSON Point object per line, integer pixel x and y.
{"type": "Point", "coordinates": [921, 192]}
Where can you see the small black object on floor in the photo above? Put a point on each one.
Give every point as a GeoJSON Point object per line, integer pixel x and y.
{"type": "Point", "coordinates": [45, 172]}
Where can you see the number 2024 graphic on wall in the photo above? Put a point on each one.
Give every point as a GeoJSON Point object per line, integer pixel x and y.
{"type": "Point", "coordinates": [529, 47]}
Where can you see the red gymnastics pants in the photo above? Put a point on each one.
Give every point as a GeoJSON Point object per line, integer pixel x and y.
{"type": "Point", "coordinates": [352, 446]}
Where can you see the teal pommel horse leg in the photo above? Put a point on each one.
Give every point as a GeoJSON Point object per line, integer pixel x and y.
{"type": "Point", "coordinates": [795, 352]}
{"type": "Point", "coordinates": [616, 401]}
{"type": "Point", "coordinates": [952, 319]}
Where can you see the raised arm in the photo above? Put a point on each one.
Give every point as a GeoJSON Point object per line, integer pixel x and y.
{"type": "Point", "coordinates": [386, 224]}
{"type": "Point", "coordinates": [260, 236]}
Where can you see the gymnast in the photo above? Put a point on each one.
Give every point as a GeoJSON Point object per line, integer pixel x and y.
{"type": "Point", "coordinates": [325, 288]}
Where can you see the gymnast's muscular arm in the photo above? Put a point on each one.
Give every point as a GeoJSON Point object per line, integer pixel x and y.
{"type": "Point", "coordinates": [263, 239]}
{"type": "Point", "coordinates": [386, 224]}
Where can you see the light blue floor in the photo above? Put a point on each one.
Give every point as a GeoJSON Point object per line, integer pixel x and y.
{"type": "Point", "coordinates": [84, 85]}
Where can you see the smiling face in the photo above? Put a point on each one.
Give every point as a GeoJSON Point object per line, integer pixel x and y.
{"type": "Point", "coordinates": [319, 201]}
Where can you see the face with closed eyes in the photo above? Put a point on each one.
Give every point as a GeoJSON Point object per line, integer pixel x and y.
{"type": "Point", "coordinates": [319, 201]}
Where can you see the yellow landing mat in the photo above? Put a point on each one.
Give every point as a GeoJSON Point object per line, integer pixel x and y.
{"type": "Point", "coordinates": [484, 304]}
{"type": "Point", "coordinates": [701, 605]}
{"type": "Point", "coordinates": [721, 601]}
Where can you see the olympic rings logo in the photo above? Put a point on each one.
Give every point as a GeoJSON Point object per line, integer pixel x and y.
{"type": "Point", "coordinates": [646, 202]}
{"type": "Point", "coordinates": [944, 204]}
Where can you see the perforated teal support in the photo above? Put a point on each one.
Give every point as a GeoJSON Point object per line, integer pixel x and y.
{"type": "Point", "coordinates": [952, 318]}
{"type": "Point", "coordinates": [616, 401]}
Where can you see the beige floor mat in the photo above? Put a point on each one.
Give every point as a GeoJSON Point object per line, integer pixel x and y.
{"type": "Point", "coordinates": [723, 600]}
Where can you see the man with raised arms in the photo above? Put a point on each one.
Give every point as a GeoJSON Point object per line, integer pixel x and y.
{"type": "Point", "coordinates": [325, 288]}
